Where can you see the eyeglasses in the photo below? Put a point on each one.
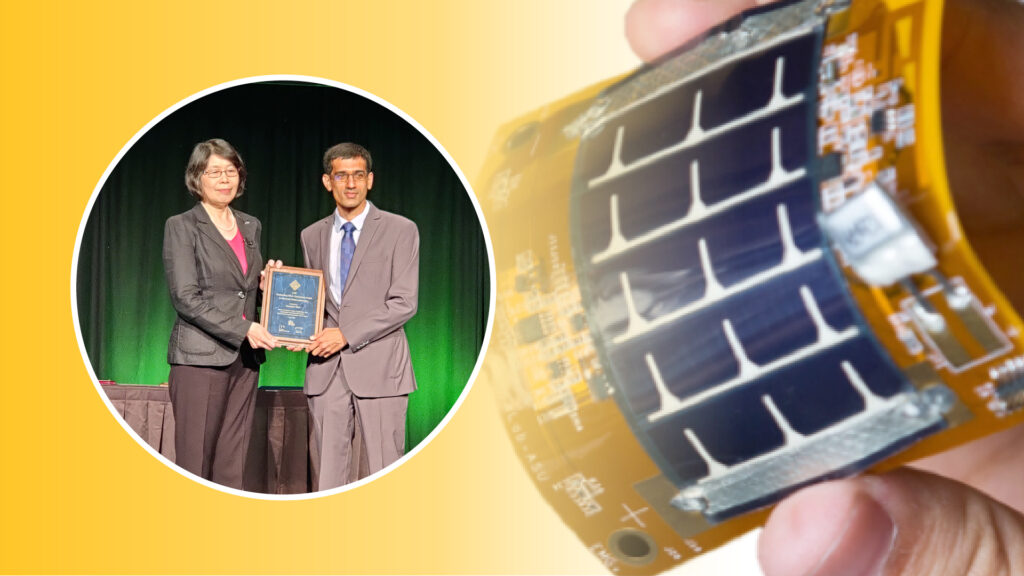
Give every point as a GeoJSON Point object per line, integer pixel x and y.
{"type": "Point", "coordinates": [359, 176]}
{"type": "Point", "coordinates": [216, 174]}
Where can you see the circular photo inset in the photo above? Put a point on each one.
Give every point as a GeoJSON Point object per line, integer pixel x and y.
{"type": "Point", "coordinates": [283, 287]}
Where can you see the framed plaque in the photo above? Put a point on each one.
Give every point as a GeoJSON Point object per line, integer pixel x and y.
{"type": "Point", "coordinates": [293, 304]}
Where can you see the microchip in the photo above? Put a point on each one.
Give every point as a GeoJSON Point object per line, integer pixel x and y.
{"type": "Point", "coordinates": [830, 166]}
{"type": "Point", "coordinates": [556, 369]}
{"type": "Point", "coordinates": [530, 329]}
{"type": "Point", "coordinates": [879, 123]}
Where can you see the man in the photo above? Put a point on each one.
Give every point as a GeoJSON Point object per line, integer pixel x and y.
{"type": "Point", "coordinates": [359, 364]}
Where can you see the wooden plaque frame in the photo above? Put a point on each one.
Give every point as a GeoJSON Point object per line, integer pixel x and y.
{"type": "Point", "coordinates": [268, 297]}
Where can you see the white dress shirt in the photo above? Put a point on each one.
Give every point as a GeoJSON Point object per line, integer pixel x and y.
{"type": "Point", "coordinates": [336, 236]}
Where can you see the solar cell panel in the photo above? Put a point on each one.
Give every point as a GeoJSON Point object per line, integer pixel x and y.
{"type": "Point", "coordinates": [722, 322]}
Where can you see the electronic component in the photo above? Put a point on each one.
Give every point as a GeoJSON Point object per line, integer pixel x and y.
{"type": "Point", "coordinates": [1009, 385]}
{"type": "Point", "coordinates": [556, 369]}
{"type": "Point", "coordinates": [879, 122]}
{"type": "Point", "coordinates": [830, 166]}
{"type": "Point", "coordinates": [530, 329]}
{"type": "Point", "coordinates": [877, 240]}
{"type": "Point", "coordinates": [1005, 389]}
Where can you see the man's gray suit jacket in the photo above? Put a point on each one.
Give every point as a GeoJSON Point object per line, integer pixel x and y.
{"type": "Point", "coordinates": [380, 297]}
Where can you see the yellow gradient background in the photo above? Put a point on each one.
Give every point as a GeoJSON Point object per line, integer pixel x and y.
{"type": "Point", "coordinates": [77, 493]}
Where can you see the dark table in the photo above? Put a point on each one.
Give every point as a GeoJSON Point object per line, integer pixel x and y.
{"type": "Point", "coordinates": [278, 458]}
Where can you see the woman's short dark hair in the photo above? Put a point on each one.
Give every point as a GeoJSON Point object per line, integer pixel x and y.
{"type": "Point", "coordinates": [201, 157]}
{"type": "Point", "coordinates": [346, 150]}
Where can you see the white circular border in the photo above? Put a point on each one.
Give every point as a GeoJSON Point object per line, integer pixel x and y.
{"type": "Point", "coordinates": [340, 86]}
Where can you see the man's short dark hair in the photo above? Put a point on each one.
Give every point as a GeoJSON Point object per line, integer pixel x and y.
{"type": "Point", "coordinates": [201, 157]}
{"type": "Point", "coordinates": [346, 150]}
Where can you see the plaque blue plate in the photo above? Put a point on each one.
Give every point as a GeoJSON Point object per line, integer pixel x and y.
{"type": "Point", "coordinates": [293, 304]}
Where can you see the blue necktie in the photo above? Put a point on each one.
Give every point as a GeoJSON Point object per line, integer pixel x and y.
{"type": "Point", "coordinates": [348, 249]}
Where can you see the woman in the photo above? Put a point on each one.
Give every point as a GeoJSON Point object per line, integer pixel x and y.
{"type": "Point", "coordinates": [212, 262]}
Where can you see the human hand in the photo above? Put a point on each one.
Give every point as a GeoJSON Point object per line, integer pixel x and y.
{"type": "Point", "coordinates": [910, 522]}
{"type": "Point", "coordinates": [327, 342]}
{"type": "Point", "coordinates": [260, 338]}
{"type": "Point", "coordinates": [263, 273]}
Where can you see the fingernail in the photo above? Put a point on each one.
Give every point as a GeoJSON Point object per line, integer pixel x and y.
{"type": "Point", "coordinates": [864, 543]}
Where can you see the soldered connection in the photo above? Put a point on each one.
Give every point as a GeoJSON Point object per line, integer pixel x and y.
{"type": "Point", "coordinates": [1009, 384]}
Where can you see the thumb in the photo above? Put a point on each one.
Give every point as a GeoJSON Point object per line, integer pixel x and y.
{"type": "Point", "coordinates": [654, 27]}
{"type": "Point", "coordinates": [904, 523]}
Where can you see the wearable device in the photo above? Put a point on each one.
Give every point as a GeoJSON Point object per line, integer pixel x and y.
{"type": "Point", "coordinates": [737, 272]}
